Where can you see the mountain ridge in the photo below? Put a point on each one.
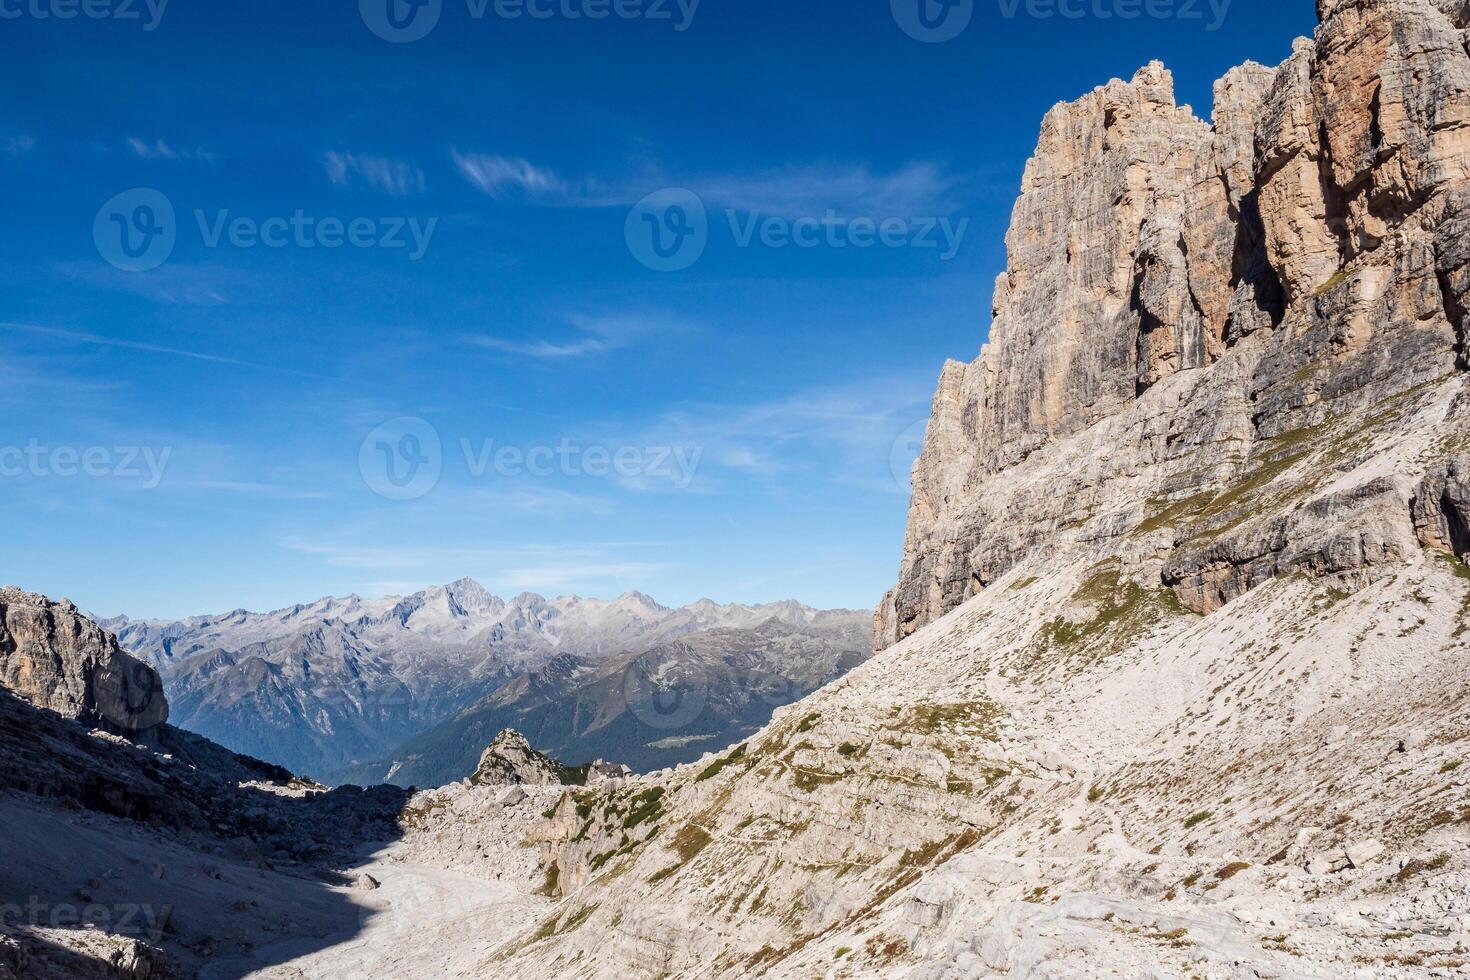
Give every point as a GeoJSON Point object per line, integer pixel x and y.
{"type": "Point", "coordinates": [331, 686]}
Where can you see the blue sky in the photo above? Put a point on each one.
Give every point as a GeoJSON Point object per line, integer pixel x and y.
{"type": "Point", "coordinates": [454, 231]}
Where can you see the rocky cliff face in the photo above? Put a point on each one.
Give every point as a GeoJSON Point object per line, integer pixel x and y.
{"type": "Point", "coordinates": [56, 658]}
{"type": "Point", "coordinates": [1219, 301]}
{"type": "Point", "coordinates": [1175, 677]}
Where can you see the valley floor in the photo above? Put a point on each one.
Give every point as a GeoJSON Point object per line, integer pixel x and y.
{"type": "Point", "coordinates": [421, 923]}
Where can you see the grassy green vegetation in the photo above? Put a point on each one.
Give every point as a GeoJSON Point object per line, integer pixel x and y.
{"type": "Point", "coordinates": [718, 766]}
{"type": "Point", "coordinates": [1122, 611]}
{"type": "Point", "coordinates": [1337, 280]}
{"type": "Point", "coordinates": [688, 843]}
{"type": "Point", "coordinates": [960, 718]}
{"type": "Point", "coordinates": [551, 882]}
{"type": "Point", "coordinates": [555, 926]}
{"type": "Point", "coordinates": [1419, 867]}
{"type": "Point", "coordinates": [646, 806]}
{"type": "Point", "coordinates": [1197, 819]}
{"type": "Point", "coordinates": [1231, 870]}
{"type": "Point", "coordinates": [807, 780]}
{"type": "Point", "coordinates": [1163, 513]}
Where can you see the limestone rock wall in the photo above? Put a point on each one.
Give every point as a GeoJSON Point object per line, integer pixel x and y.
{"type": "Point", "coordinates": [1208, 294]}
{"type": "Point", "coordinates": [59, 659]}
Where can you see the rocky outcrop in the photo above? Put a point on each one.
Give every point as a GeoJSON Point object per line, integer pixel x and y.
{"type": "Point", "coordinates": [58, 659]}
{"type": "Point", "coordinates": [1442, 508]}
{"type": "Point", "coordinates": [1205, 295]}
{"type": "Point", "coordinates": [510, 761]}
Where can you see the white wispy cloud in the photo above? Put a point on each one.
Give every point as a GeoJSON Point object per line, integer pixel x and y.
{"type": "Point", "coordinates": [392, 177]}
{"type": "Point", "coordinates": [159, 149]}
{"type": "Point", "coordinates": [19, 145]}
{"type": "Point", "coordinates": [174, 283]}
{"type": "Point", "coordinates": [501, 177]}
{"type": "Point", "coordinates": [542, 501]}
{"type": "Point", "coordinates": [917, 189]}
{"type": "Point", "coordinates": [100, 341]}
{"type": "Point", "coordinates": [914, 190]}
{"type": "Point", "coordinates": [591, 335]}
{"type": "Point", "coordinates": [862, 434]}
{"type": "Point", "coordinates": [257, 489]}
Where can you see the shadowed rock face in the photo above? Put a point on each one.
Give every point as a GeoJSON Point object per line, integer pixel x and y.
{"type": "Point", "coordinates": [58, 659]}
{"type": "Point", "coordinates": [1212, 298]}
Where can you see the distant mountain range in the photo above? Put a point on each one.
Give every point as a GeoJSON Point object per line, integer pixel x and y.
{"type": "Point", "coordinates": [411, 689]}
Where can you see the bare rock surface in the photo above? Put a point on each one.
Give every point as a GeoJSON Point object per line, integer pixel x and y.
{"type": "Point", "coordinates": [1176, 679]}
{"type": "Point", "coordinates": [1194, 313]}
{"type": "Point", "coordinates": [510, 761]}
{"type": "Point", "coordinates": [59, 659]}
